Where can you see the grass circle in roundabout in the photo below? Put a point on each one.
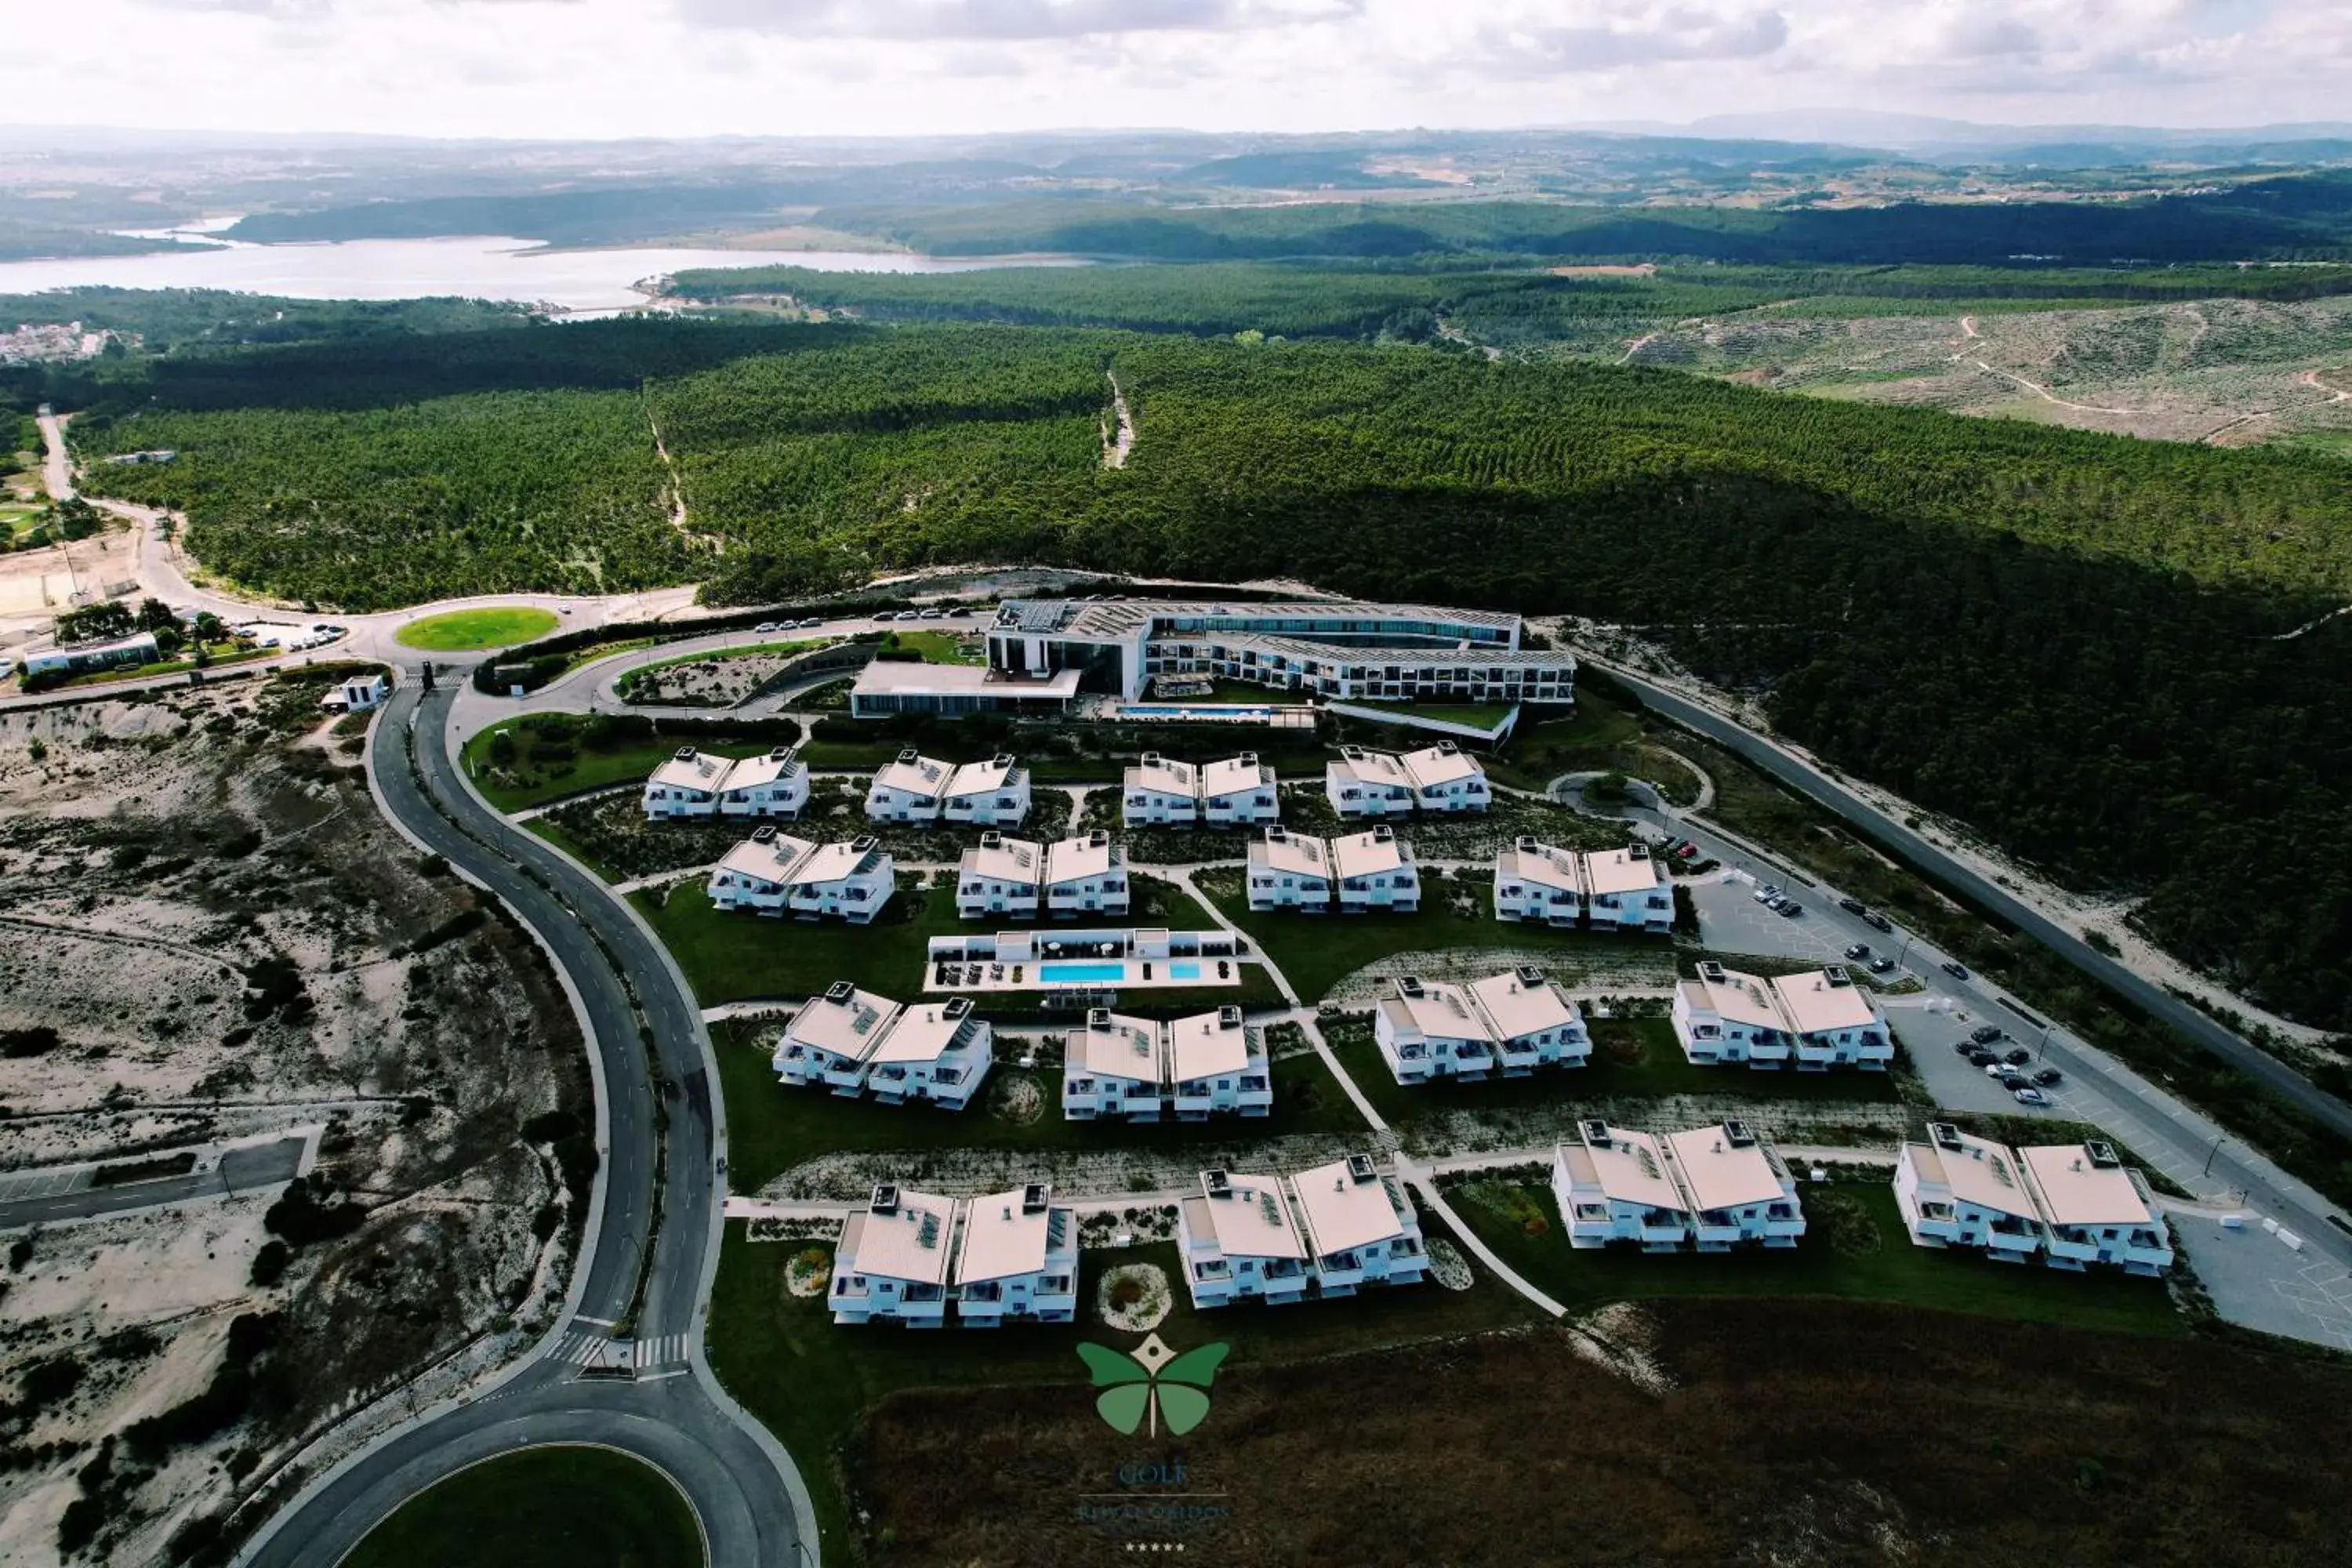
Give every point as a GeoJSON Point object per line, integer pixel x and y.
{"type": "Point", "coordinates": [556, 1506]}
{"type": "Point", "coordinates": [468, 631]}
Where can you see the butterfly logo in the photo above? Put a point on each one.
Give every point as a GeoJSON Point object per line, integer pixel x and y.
{"type": "Point", "coordinates": [1153, 1384]}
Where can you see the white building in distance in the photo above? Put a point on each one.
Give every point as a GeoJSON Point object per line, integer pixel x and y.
{"type": "Point", "coordinates": [772, 873]}
{"type": "Point", "coordinates": [993, 794]}
{"type": "Point", "coordinates": [831, 1039]}
{"type": "Point", "coordinates": [1740, 1190]}
{"type": "Point", "coordinates": [1161, 791]}
{"type": "Point", "coordinates": [1614, 1186]}
{"type": "Point", "coordinates": [893, 1261]}
{"type": "Point", "coordinates": [1611, 889]}
{"type": "Point", "coordinates": [2097, 1210]}
{"type": "Point", "coordinates": [933, 1050]}
{"type": "Point", "coordinates": [999, 876]}
{"type": "Point", "coordinates": [1289, 871]}
{"type": "Point", "coordinates": [695, 783]}
{"type": "Point", "coordinates": [1114, 1067]}
{"type": "Point", "coordinates": [1439, 779]}
{"type": "Point", "coordinates": [2074, 1205]}
{"type": "Point", "coordinates": [1086, 875]}
{"type": "Point", "coordinates": [1818, 1019]}
{"type": "Point", "coordinates": [1239, 791]}
{"type": "Point", "coordinates": [1216, 1063]}
{"type": "Point", "coordinates": [908, 788]}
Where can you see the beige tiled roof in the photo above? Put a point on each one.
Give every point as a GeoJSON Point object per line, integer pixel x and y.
{"type": "Point", "coordinates": [982, 778]}
{"type": "Point", "coordinates": [1235, 775]}
{"type": "Point", "coordinates": [1165, 775]}
{"type": "Point", "coordinates": [831, 863]}
{"type": "Point", "coordinates": [850, 1029]}
{"type": "Point", "coordinates": [1342, 1212]}
{"type": "Point", "coordinates": [923, 1032]}
{"type": "Point", "coordinates": [1979, 1172]}
{"type": "Point", "coordinates": [772, 861]}
{"type": "Point", "coordinates": [1074, 859]}
{"type": "Point", "coordinates": [752, 772]}
{"type": "Point", "coordinates": [1742, 999]}
{"type": "Point", "coordinates": [2076, 1192]}
{"type": "Point", "coordinates": [1000, 1240]}
{"type": "Point", "coordinates": [1723, 1174]}
{"type": "Point", "coordinates": [1382, 768]}
{"type": "Point", "coordinates": [1440, 1011]}
{"type": "Point", "coordinates": [1632, 1168]}
{"type": "Point", "coordinates": [1299, 854]}
{"type": "Point", "coordinates": [894, 1245]}
{"type": "Point", "coordinates": [1543, 866]}
{"type": "Point", "coordinates": [1516, 1009]}
{"type": "Point", "coordinates": [701, 770]}
{"type": "Point", "coordinates": [1438, 765]}
{"type": "Point", "coordinates": [1813, 1005]}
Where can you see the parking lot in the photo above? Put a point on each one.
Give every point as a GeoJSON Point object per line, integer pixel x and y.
{"type": "Point", "coordinates": [2258, 1281]}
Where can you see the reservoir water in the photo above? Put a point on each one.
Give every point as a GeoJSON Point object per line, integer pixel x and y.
{"type": "Point", "coordinates": [480, 267]}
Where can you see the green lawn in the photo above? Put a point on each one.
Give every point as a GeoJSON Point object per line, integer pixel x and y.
{"type": "Point", "coordinates": [809, 1379]}
{"type": "Point", "coordinates": [536, 782]}
{"type": "Point", "coordinates": [1631, 1058]}
{"type": "Point", "coordinates": [1598, 737]}
{"type": "Point", "coordinates": [1855, 1245]}
{"type": "Point", "coordinates": [1477, 715]}
{"type": "Point", "coordinates": [771, 1127]}
{"type": "Point", "coordinates": [939, 647]}
{"type": "Point", "coordinates": [1315, 953]}
{"type": "Point", "coordinates": [465, 631]}
{"type": "Point", "coordinates": [541, 1508]}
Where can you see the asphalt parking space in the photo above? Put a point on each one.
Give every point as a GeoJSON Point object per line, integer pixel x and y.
{"type": "Point", "coordinates": [1930, 1027]}
{"type": "Point", "coordinates": [1731, 921]}
{"type": "Point", "coordinates": [2258, 1281]}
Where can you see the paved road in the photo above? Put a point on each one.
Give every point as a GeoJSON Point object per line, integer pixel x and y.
{"type": "Point", "coordinates": [660, 1108]}
{"type": "Point", "coordinates": [261, 1165]}
{"type": "Point", "coordinates": [1867, 819]}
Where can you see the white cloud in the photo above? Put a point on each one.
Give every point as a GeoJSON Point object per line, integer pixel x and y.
{"type": "Point", "coordinates": [1008, 20]}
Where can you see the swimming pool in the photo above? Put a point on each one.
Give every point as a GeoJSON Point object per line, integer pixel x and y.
{"type": "Point", "coordinates": [1183, 972]}
{"type": "Point", "coordinates": [1158, 711]}
{"type": "Point", "coordinates": [1081, 973]}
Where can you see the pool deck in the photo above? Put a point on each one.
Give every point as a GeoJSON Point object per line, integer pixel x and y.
{"type": "Point", "coordinates": [1273, 715]}
{"type": "Point", "coordinates": [999, 977]}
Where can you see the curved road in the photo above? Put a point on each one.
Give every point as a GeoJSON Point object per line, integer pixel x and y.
{"type": "Point", "coordinates": [658, 1108]}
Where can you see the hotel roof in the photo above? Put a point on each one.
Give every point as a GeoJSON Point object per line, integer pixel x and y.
{"type": "Point", "coordinates": [1723, 1174]}
{"type": "Point", "coordinates": [1164, 774]}
{"type": "Point", "coordinates": [1005, 859]}
{"type": "Point", "coordinates": [769, 860]}
{"type": "Point", "coordinates": [1621, 872]}
{"type": "Point", "coordinates": [696, 770]}
{"type": "Point", "coordinates": [1438, 765]}
{"type": "Point", "coordinates": [1005, 1236]}
{"type": "Point", "coordinates": [979, 778]}
{"type": "Point", "coordinates": [753, 771]}
{"type": "Point", "coordinates": [901, 1245]}
{"type": "Point", "coordinates": [915, 775]}
{"type": "Point", "coordinates": [1233, 775]}
{"type": "Point", "coordinates": [1979, 1172]}
{"type": "Point", "coordinates": [1112, 1044]}
{"type": "Point", "coordinates": [925, 1032]}
{"type": "Point", "coordinates": [1815, 1002]}
{"type": "Point", "coordinates": [2076, 1192]}
{"type": "Point", "coordinates": [900, 677]}
{"type": "Point", "coordinates": [1344, 1208]}
{"type": "Point", "coordinates": [1542, 865]}
{"type": "Point", "coordinates": [1367, 854]}
{"type": "Point", "coordinates": [1073, 859]}
{"type": "Point", "coordinates": [1440, 1011]}
{"type": "Point", "coordinates": [850, 1028]}
{"type": "Point", "coordinates": [1738, 997]}
{"type": "Point", "coordinates": [832, 862]}
{"type": "Point", "coordinates": [1251, 1221]}
{"type": "Point", "coordinates": [1122, 619]}
{"type": "Point", "coordinates": [1299, 854]}
{"type": "Point", "coordinates": [1516, 1009]}
{"type": "Point", "coordinates": [1631, 1168]}
{"type": "Point", "coordinates": [1205, 1045]}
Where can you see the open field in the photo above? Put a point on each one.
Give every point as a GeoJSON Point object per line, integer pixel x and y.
{"type": "Point", "coordinates": [542, 1508]}
{"type": "Point", "coordinates": [1814, 1432]}
{"type": "Point", "coordinates": [465, 631]}
{"type": "Point", "coordinates": [546, 768]}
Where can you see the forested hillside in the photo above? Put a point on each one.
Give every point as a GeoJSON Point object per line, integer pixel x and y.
{"type": "Point", "coordinates": [2079, 643]}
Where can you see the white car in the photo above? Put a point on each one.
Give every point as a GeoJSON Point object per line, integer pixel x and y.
{"type": "Point", "coordinates": [1766, 893]}
{"type": "Point", "coordinates": [2029, 1095]}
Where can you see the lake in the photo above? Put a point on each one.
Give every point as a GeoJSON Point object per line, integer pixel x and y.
{"type": "Point", "coordinates": [480, 267]}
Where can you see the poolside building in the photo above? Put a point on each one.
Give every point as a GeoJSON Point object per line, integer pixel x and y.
{"type": "Point", "coordinates": [910, 787]}
{"type": "Point", "coordinates": [1016, 1259]}
{"type": "Point", "coordinates": [1289, 871]}
{"type": "Point", "coordinates": [1239, 791]}
{"type": "Point", "coordinates": [999, 876]}
{"type": "Point", "coordinates": [1239, 1241]}
{"type": "Point", "coordinates": [890, 686]}
{"type": "Point", "coordinates": [1531, 1022]}
{"type": "Point", "coordinates": [1086, 875]}
{"type": "Point", "coordinates": [1428, 1029]}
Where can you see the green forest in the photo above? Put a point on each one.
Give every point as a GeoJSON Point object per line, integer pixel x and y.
{"type": "Point", "coordinates": [2084, 644]}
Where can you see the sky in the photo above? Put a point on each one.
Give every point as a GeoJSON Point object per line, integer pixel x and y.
{"type": "Point", "coordinates": [593, 68]}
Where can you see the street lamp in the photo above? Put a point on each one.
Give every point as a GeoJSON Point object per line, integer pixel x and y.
{"type": "Point", "coordinates": [2044, 1045]}
{"type": "Point", "coordinates": [2219, 1138]}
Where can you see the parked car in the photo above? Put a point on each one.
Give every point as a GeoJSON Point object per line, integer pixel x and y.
{"type": "Point", "coordinates": [960, 610]}
{"type": "Point", "coordinates": [1876, 921]}
{"type": "Point", "coordinates": [2003, 1071]}
{"type": "Point", "coordinates": [1987, 1035]}
{"type": "Point", "coordinates": [1881, 964]}
{"type": "Point", "coordinates": [2049, 1076]}
{"type": "Point", "coordinates": [1966, 1048]}
{"type": "Point", "coordinates": [2028, 1095]}
{"type": "Point", "coordinates": [1982, 1056]}
{"type": "Point", "coordinates": [1789, 909]}
{"type": "Point", "coordinates": [934, 615]}
{"type": "Point", "coordinates": [1858, 951]}
{"type": "Point", "coordinates": [1854, 906]}
{"type": "Point", "coordinates": [2019, 1056]}
{"type": "Point", "coordinates": [811, 621]}
{"type": "Point", "coordinates": [1958, 971]}
{"type": "Point", "coordinates": [1686, 851]}
{"type": "Point", "coordinates": [1766, 893]}
{"type": "Point", "coordinates": [769, 627]}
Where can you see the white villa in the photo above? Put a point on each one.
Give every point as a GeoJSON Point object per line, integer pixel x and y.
{"type": "Point", "coordinates": [1437, 778]}
{"type": "Point", "coordinates": [852, 1041]}
{"type": "Point", "coordinates": [686, 785]}
{"type": "Point", "coordinates": [1614, 1186]}
{"type": "Point", "coordinates": [1532, 1022]}
{"type": "Point", "coordinates": [1113, 1068]}
{"type": "Point", "coordinates": [1430, 1030]}
{"type": "Point", "coordinates": [775, 784]}
{"type": "Point", "coordinates": [1615, 888]}
{"type": "Point", "coordinates": [993, 794]}
{"type": "Point", "coordinates": [1289, 871]}
{"type": "Point", "coordinates": [773, 873]}
{"type": "Point", "coordinates": [831, 1038]}
{"type": "Point", "coordinates": [1160, 792]}
{"type": "Point", "coordinates": [908, 788]}
{"type": "Point", "coordinates": [2072, 1205]}
{"type": "Point", "coordinates": [999, 876]}
{"type": "Point", "coordinates": [1217, 1063]}
{"type": "Point", "coordinates": [2099, 1210]}
{"type": "Point", "coordinates": [1360, 1226]}
{"type": "Point", "coordinates": [1238, 792]}
{"type": "Point", "coordinates": [1239, 1241]}
{"type": "Point", "coordinates": [933, 1050]}
{"type": "Point", "coordinates": [1739, 1189]}
{"type": "Point", "coordinates": [1819, 1019]}
{"type": "Point", "coordinates": [1086, 875]}
{"type": "Point", "coordinates": [1960, 1190]}
{"type": "Point", "coordinates": [1017, 1260]}
{"type": "Point", "coordinates": [892, 1261]}
{"type": "Point", "coordinates": [1376, 871]}
{"type": "Point", "coordinates": [1337, 648]}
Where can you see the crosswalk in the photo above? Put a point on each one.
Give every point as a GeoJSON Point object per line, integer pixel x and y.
{"type": "Point", "coordinates": [586, 1348]}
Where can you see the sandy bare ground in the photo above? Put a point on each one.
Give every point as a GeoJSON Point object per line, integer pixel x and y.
{"type": "Point", "coordinates": [207, 932]}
